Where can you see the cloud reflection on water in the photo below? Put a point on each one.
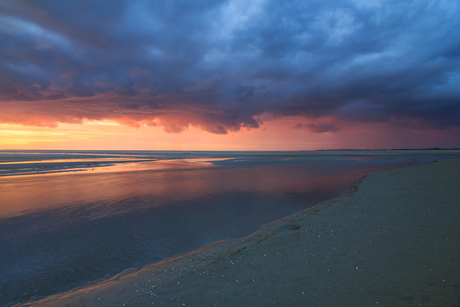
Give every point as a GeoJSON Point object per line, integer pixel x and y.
{"type": "Point", "coordinates": [59, 231]}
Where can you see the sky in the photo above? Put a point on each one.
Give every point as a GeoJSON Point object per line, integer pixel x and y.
{"type": "Point", "coordinates": [229, 75]}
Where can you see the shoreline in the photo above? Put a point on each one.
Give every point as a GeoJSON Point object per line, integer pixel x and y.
{"type": "Point", "coordinates": [343, 245]}
{"type": "Point", "coordinates": [42, 162]}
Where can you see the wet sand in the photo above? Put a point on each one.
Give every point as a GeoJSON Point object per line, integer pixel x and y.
{"type": "Point", "coordinates": [392, 240]}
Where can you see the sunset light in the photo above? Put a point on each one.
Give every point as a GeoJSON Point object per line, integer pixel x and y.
{"type": "Point", "coordinates": [229, 75]}
{"type": "Point", "coordinates": [229, 153]}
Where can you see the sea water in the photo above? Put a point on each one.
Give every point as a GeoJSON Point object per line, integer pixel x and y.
{"type": "Point", "coordinates": [69, 218]}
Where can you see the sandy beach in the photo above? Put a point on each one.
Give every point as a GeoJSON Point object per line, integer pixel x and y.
{"type": "Point", "coordinates": [392, 240]}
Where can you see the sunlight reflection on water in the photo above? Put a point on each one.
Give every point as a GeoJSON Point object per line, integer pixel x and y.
{"type": "Point", "coordinates": [61, 230]}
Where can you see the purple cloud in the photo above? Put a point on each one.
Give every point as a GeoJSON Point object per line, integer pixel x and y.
{"type": "Point", "coordinates": [218, 65]}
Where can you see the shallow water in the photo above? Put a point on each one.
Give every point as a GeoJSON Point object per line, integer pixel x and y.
{"type": "Point", "coordinates": [68, 218]}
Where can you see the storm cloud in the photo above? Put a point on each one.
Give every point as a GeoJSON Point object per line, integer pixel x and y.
{"type": "Point", "coordinates": [224, 65]}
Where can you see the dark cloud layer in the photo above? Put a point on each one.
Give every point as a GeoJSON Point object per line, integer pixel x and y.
{"type": "Point", "coordinates": [219, 65]}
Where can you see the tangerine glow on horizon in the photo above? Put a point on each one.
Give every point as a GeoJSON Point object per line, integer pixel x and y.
{"type": "Point", "coordinates": [273, 135]}
{"type": "Point", "coordinates": [229, 74]}
{"type": "Point", "coordinates": [105, 135]}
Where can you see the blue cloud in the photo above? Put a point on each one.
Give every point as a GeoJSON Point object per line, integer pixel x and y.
{"type": "Point", "coordinates": [223, 63]}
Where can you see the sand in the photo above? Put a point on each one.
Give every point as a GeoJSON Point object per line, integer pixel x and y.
{"type": "Point", "coordinates": [392, 240]}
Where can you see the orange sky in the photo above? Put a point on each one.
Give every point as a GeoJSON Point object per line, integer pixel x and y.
{"type": "Point", "coordinates": [132, 75]}
{"type": "Point", "coordinates": [277, 134]}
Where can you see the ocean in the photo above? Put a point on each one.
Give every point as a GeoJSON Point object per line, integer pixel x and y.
{"type": "Point", "coordinates": [68, 218]}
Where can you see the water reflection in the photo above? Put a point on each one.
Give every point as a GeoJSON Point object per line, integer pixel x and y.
{"type": "Point", "coordinates": [61, 231]}
{"type": "Point", "coordinates": [164, 183]}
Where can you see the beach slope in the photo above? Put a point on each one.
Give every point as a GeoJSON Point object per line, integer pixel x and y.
{"type": "Point", "coordinates": [392, 240]}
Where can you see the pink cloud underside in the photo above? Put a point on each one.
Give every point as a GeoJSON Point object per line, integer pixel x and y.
{"type": "Point", "coordinates": [173, 117]}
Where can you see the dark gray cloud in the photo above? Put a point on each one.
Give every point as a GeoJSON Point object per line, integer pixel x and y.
{"type": "Point", "coordinates": [217, 65]}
